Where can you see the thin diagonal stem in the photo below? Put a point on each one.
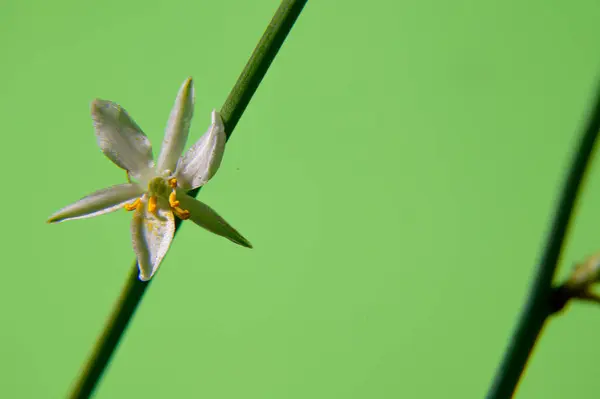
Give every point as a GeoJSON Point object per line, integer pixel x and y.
{"type": "Point", "coordinates": [231, 112]}
{"type": "Point", "coordinates": [540, 302]}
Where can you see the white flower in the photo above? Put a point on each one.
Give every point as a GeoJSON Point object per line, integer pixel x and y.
{"type": "Point", "coordinates": [156, 192]}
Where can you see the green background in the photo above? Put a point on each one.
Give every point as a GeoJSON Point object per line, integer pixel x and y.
{"type": "Point", "coordinates": [396, 172]}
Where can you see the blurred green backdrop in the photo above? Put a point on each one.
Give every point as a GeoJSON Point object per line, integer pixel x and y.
{"type": "Point", "coordinates": [396, 172]}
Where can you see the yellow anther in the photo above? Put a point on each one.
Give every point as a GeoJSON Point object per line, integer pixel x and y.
{"type": "Point", "coordinates": [134, 205]}
{"type": "Point", "coordinates": [181, 213]}
{"type": "Point", "coordinates": [173, 183]}
{"type": "Point", "coordinates": [173, 199]}
{"type": "Point", "coordinates": [152, 204]}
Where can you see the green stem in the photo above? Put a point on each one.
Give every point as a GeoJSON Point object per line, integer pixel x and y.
{"type": "Point", "coordinates": [231, 112]}
{"type": "Point", "coordinates": [541, 302]}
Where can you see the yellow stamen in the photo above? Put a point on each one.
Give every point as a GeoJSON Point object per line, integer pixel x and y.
{"type": "Point", "coordinates": [134, 205]}
{"type": "Point", "coordinates": [173, 199]}
{"type": "Point", "coordinates": [152, 204]}
{"type": "Point", "coordinates": [182, 214]}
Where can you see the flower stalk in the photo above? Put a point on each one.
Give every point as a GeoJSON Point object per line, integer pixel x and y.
{"type": "Point", "coordinates": [542, 300]}
{"type": "Point", "coordinates": [231, 112]}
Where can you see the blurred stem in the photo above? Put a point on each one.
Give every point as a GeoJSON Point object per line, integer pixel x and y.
{"type": "Point", "coordinates": [231, 112]}
{"type": "Point", "coordinates": [543, 299]}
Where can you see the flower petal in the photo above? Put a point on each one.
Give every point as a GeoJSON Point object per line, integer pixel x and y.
{"type": "Point", "coordinates": [206, 217]}
{"type": "Point", "coordinates": [120, 138]}
{"type": "Point", "coordinates": [151, 235]}
{"type": "Point", "coordinates": [202, 161]}
{"type": "Point", "coordinates": [98, 203]}
{"type": "Point", "coordinates": [178, 128]}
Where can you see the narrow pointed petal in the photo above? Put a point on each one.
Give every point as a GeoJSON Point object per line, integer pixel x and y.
{"type": "Point", "coordinates": [201, 162]}
{"type": "Point", "coordinates": [205, 216]}
{"type": "Point", "coordinates": [151, 235]}
{"type": "Point", "coordinates": [120, 138]}
{"type": "Point", "coordinates": [178, 127]}
{"type": "Point", "coordinates": [98, 203]}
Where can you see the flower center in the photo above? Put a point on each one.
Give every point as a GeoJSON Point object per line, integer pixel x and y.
{"type": "Point", "coordinates": [160, 187]}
